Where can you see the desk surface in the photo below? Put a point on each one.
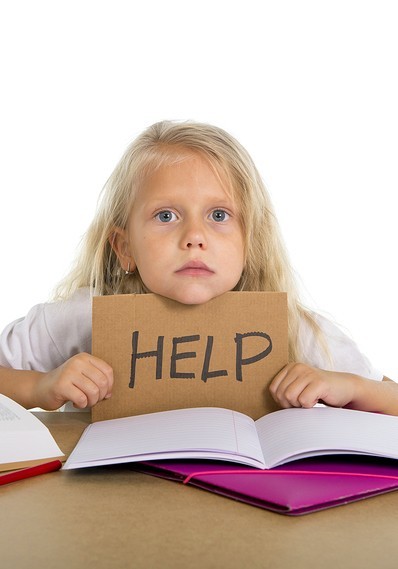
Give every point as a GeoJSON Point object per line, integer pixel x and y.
{"type": "Point", "coordinates": [114, 518]}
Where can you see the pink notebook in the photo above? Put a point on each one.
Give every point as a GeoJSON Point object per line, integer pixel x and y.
{"type": "Point", "coordinates": [296, 488]}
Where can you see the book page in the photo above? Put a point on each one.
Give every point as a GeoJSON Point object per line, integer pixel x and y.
{"type": "Point", "coordinates": [7, 414]}
{"type": "Point", "coordinates": [207, 432]}
{"type": "Point", "coordinates": [14, 417]}
{"type": "Point", "coordinates": [291, 434]}
{"type": "Point", "coordinates": [23, 438]}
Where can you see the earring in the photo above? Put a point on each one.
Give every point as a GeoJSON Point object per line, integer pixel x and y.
{"type": "Point", "coordinates": [128, 272]}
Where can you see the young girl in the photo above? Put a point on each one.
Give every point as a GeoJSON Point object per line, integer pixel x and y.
{"type": "Point", "coordinates": [184, 215]}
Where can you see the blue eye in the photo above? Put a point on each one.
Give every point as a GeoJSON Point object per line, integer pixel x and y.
{"type": "Point", "coordinates": [165, 216]}
{"type": "Point", "coordinates": [219, 215]}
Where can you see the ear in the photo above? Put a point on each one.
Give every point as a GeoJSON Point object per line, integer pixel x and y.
{"type": "Point", "coordinates": [119, 242]}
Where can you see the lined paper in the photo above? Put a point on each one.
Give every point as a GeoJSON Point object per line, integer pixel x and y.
{"type": "Point", "coordinates": [291, 434]}
{"type": "Point", "coordinates": [194, 433]}
{"type": "Point", "coordinates": [222, 434]}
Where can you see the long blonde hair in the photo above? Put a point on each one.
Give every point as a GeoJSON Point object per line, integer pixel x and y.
{"type": "Point", "coordinates": [267, 267]}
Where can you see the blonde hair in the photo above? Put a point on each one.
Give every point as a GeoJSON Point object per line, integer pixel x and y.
{"type": "Point", "coordinates": [267, 267]}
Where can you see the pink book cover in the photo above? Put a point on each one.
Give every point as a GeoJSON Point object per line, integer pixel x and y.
{"type": "Point", "coordinates": [296, 488]}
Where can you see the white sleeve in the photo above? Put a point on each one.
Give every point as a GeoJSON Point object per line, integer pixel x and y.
{"type": "Point", "coordinates": [344, 354]}
{"type": "Point", "coordinates": [48, 335]}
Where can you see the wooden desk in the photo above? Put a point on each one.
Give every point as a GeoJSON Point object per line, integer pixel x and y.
{"type": "Point", "coordinates": [113, 518]}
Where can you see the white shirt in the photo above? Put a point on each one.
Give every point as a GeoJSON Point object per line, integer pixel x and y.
{"type": "Point", "coordinates": [53, 332]}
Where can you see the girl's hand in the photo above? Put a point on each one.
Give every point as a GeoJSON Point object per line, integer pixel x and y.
{"type": "Point", "coordinates": [83, 379]}
{"type": "Point", "coordinates": [299, 385]}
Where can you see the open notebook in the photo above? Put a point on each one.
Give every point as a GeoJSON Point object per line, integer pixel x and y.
{"type": "Point", "coordinates": [264, 463]}
{"type": "Point", "coordinates": [222, 434]}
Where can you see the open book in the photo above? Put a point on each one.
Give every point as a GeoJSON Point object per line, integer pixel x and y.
{"type": "Point", "coordinates": [222, 434]}
{"type": "Point", "coordinates": [24, 440]}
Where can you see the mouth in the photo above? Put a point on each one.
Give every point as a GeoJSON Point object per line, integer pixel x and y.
{"type": "Point", "coordinates": [195, 269]}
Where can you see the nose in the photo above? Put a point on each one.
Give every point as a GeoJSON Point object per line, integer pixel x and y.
{"type": "Point", "coordinates": [194, 236]}
{"type": "Point", "coordinates": [195, 243]}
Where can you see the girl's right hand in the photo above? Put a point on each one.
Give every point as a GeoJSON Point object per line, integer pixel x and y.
{"type": "Point", "coordinates": [83, 379]}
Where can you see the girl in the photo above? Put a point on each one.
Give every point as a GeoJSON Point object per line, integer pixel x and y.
{"type": "Point", "coordinates": [184, 215]}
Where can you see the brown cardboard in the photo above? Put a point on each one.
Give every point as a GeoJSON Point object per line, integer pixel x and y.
{"type": "Point", "coordinates": [209, 352]}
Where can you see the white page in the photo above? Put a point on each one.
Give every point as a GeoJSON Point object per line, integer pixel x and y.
{"type": "Point", "coordinates": [297, 433]}
{"type": "Point", "coordinates": [183, 433]}
{"type": "Point", "coordinates": [14, 417]}
{"type": "Point", "coordinates": [22, 436]}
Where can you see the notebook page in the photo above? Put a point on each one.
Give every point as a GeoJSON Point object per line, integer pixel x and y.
{"type": "Point", "coordinates": [22, 436]}
{"type": "Point", "coordinates": [298, 433]}
{"type": "Point", "coordinates": [189, 431]}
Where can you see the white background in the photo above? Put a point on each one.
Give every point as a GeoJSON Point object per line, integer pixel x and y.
{"type": "Point", "coordinates": [309, 87]}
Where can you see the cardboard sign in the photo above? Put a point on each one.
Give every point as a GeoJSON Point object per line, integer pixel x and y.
{"type": "Point", "coordinates": [166, 355]}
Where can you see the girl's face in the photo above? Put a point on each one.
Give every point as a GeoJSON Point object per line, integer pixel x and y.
{"type": "Point", "coordinates": [184, 235]}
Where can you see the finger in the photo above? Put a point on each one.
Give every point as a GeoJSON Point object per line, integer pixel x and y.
{"type": "Point", "coordinates": [94, 369]}
{"type": "Point", "coordinates": [100, 381]}
{"type": "Point", "coordinates": [305, 391]}
{"type": "Point", "coordinates": [289, 395]}
{"type": "Point", "coordinates": [293, 384]}
{"type": "Point", "coordinates": [280, 377]}
{"type": "Point", "coordinates": [308, 396]}
{"type": "Point", "coordinates": [282, 386]}
{"type": "Point", "coordinates": [91, 388]}
{"type": "Point", "coordinates": [76, 396]}
{"type": "Point", "coordinates": [106, 379]}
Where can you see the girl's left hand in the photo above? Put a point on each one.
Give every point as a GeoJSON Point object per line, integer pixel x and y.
{"type": "Point", "coordinates": [299, 385]}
